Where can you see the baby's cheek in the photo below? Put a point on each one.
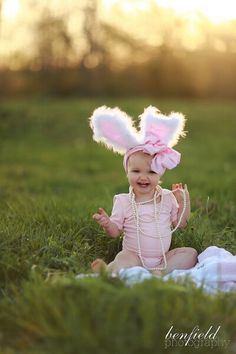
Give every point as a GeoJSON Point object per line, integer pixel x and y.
{"type": "Point", "coordinates": [156, 180]}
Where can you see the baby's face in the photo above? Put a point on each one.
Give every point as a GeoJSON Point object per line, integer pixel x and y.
{"type": "Point", "coordinates": [140, 175]}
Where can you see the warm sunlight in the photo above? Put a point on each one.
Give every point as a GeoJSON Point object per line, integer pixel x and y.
{"type": "Point", "coordinates": [215, 11]}
{"type": "Point", "coordinates": [10, 8]}
{"type": "Point", "coordinates": [128, 6]}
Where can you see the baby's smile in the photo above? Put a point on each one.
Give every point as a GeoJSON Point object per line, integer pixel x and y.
{"type": "Point", "coordinates": [143, 184]}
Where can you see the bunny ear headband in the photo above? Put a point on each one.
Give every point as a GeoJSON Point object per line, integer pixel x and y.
{"type": "Point", "coordinates": [157, 134]}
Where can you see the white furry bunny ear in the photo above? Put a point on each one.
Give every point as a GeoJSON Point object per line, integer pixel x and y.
{"type": "Point", "coordinates": [114, 128]}
{"type": "Point", "coordinates": [156, 126]}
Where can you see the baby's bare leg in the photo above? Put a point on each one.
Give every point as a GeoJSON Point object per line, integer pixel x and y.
{"type": "Point", "coordinates": [180, 258]}
{"type": "Point", "coordinates": [124, 259]}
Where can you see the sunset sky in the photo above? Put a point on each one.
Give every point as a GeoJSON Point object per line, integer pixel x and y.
{"type": "Point", "coordinates": [18, 19]}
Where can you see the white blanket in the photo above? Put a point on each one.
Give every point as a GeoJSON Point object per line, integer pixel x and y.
{"type": "Point", "coordinates": [215, 271]}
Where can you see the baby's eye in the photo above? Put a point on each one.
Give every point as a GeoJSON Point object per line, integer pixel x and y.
{"type": "Point", "coordinates": [152, 172]}
{"type": "Point", "coordinates": [135, 170]}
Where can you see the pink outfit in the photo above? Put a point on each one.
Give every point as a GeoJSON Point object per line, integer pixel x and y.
{"type": "Point", "coordinates": [122, 216]}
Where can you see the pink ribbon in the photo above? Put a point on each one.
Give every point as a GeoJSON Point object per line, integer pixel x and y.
{"type": "Point", "coordinates": [163, 157]}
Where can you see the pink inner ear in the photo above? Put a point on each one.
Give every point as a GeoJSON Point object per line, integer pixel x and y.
{"type": "Point", "coordinates": [113, 134]}
{"type": "Point", "coordinates": [155, 133]}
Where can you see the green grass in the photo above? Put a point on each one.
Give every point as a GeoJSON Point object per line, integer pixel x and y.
{"type": "Point", "coordinates": [53, 177]}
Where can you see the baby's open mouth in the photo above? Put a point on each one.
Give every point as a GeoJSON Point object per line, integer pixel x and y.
{"type": "Point", "coordinates": [143, 184]}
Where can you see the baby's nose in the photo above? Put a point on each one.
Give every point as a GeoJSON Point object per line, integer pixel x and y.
{"type": "Point", "coordinates": [143, 178]}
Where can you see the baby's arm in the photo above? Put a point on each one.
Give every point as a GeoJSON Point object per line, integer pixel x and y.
{"type": "Point", "coordinates": [103, 219]}
{"type": "Point", "coordinates": [180, 199]}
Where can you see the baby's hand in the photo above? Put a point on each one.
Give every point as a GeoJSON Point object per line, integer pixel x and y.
{"type": "Point", "coordinates": [178, 192]}
{"type": "Point", "coordinates": [101, 218]}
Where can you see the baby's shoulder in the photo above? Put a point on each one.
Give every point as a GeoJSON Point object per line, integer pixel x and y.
{"type": "Point", "coordinates": [168, 195]}
{"type": "Point", "coordinates": [123, 198]}
{"type": "Point", "coordinates": [166, 192]}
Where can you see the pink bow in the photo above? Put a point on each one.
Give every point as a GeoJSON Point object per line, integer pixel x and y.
{"type": "Point", "coordinates": [163, 157]}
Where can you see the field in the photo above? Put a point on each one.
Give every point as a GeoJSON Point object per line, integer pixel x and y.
{"type": "Point", "coordinates": [53, 178]}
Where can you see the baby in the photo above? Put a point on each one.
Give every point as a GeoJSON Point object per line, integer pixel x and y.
{"type": "Point", "coordinates": [148, 212]}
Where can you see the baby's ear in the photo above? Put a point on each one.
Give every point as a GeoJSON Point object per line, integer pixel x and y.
{"type": "Point", "coordinates": [156, 126]}
{"type": "Point", "coordinates": [114, 128]}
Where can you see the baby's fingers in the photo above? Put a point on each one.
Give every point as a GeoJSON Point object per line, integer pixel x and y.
{"type": "Point", "coordinates": [177, 186]}
{"type": "Point", "coordinates": [101, 211]}
{"type": "Point", "coordinates": [96, 216]}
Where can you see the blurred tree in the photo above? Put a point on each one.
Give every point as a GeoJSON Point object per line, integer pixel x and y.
{"type": "Point", "coordinates": [95, 53]}
{"type": "Point", "coordinates": [0, 14]}
{"type": "Point", "coordinates": [107, 46]}
{"type": "Point", "coordinates": [1, 1]}
{"type": "Point", "coordinates": [53, 43]}
{"type": "Point", "coordinates": [121, 45]}
{"type": "Point", "coordinates": [105, 41]}
{"type": "Point", "coordinates": [79, 52]}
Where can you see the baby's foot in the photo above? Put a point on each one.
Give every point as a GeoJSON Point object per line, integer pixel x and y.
{"type": "Point", "coordinates": [98, 265]}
